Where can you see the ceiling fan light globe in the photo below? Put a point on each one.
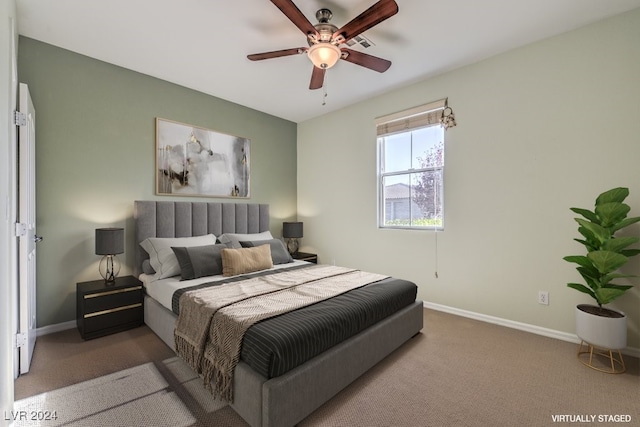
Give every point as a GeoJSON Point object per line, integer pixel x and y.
{"type": "Point", "coordinates": [324, 55]}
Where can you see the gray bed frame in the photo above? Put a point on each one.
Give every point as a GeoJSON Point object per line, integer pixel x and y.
{"type": "Point", "coordinates": [287, 399]}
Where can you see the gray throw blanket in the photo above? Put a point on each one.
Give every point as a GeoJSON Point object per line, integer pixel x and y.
{"type": "Point", "coordinates": [213, 320]}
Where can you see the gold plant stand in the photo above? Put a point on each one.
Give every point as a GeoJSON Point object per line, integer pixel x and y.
{"type": "Point", "coordinates": [606, 353]}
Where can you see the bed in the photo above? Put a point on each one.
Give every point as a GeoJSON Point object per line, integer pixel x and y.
{"type": "Point", "coordinates": [259, 398]}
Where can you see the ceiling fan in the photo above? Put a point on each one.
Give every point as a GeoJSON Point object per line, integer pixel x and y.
{"type": "Point", "coordinates": [324, 38]}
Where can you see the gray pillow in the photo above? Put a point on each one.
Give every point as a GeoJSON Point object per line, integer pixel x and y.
{"type": "Point", "coordinates": [199, 261]}
{"type": "Point", "coordinates": [163, 260]}
{"type": "Point", "coordinates": [279, 254]}
{"type": "Point", "coordinates": [233, 239]}
{"type": "Point", "coordinates": [146, 267]}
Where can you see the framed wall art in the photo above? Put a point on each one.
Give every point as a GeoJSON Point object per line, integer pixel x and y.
{"type": "Point", "coordinates": [193, 161]}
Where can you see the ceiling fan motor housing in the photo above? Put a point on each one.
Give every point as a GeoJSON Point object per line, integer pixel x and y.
{"type": "Point", "coordinates": [323, 27]}
{"type": "Point", "coordinates": [324, 15]}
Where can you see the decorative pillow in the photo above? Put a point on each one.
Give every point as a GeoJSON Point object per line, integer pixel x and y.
{"type": "Point", "coordinates": [162, 258]}
{"type": "Point", "coordinates": [279, 254]}
{"type": "Point", "coordinates": [199, 261]}
{"type": "Point", "coordinates": [246, 260]}
{"type": "Point", "coordinates": [233, 239]}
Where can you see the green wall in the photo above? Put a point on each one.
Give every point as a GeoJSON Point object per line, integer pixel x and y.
{"type": "Point", "coordinates": [95, 132]}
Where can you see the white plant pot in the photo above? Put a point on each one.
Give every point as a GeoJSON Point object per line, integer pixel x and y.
{"type": "Point", "coordinates": [600, 331]}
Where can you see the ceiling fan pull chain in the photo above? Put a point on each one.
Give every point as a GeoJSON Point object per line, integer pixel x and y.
{"type": "Point", "coordinates": [324, 91]}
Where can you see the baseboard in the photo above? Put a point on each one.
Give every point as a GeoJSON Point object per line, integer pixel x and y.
{"type": "Point", "coordinates": [50, 329]}
{"type": "Point", "coordinates": [538, 330]}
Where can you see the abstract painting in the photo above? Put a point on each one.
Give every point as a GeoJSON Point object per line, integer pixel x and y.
{"type": "Point", "coordinates": [193, 161]}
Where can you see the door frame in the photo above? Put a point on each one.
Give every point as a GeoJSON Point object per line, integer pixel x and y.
{"type": "Point", "coordinates": [8, 189]}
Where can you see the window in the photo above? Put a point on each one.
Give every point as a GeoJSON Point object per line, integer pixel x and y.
{"type": "Point", "coordinates": [411, 168]}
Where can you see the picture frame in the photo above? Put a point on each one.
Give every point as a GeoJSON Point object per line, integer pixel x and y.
{"type": "Point", "coordinates": [194, 161]}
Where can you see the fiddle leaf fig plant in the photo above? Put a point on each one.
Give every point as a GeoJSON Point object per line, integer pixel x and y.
{"type": "Point", "coordinates": [606, 253]}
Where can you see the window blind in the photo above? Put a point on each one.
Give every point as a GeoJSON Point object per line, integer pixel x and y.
{"type": "Point", "coordinates": [413, 118]}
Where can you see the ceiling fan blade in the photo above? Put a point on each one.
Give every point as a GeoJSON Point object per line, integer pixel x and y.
{"type": "Point", "coordinates": [368, 61]}
{"type": "Point", "coordinates": [277, 53]}
{"type": "Point", "coordinates": [377, 13]}
{"type": "Point", "coordinates": [292, 12]}
{"type": "Point", "coordinates": [317, 78]}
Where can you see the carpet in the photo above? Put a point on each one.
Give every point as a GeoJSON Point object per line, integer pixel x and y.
{"type": "Point", "coordinates": [138, 396]}
{"type": "Point", "coordinates": [458, 372]}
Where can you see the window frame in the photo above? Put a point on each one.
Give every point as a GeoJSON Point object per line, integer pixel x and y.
{"type": "Point", "coordinates": [402, 122]}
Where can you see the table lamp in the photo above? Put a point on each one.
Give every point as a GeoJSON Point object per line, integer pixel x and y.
{"type": "Point", "coordinates": [109, 243]}
{"type": "Point", "coordinates": [292, 231]}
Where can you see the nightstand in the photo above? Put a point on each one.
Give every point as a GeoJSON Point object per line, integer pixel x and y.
{"type": "Point", "coordinates": [305, 256]}
{"type": "Point", "coordinates": [103, 309]}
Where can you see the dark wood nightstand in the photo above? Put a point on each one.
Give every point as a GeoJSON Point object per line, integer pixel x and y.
{"type": "Point", "coordinates": [103, 309]}
{"type": "Point", "coordinates": [305, 256]}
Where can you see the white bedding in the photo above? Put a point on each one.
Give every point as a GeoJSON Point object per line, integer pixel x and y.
{"type": "Point", "coordinates": [162, 290]}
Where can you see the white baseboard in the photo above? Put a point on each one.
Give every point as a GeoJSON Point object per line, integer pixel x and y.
{"type": "Point", "coordinates": [49, 329]}
{"type": "Point", "coordinates": [538, 330]}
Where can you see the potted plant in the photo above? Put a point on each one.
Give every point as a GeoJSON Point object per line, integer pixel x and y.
{"type": "Point", "coordinates": [596, 325]}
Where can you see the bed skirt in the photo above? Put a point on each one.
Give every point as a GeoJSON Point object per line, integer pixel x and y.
{"type": "Point", "coordinates": [288, 399]}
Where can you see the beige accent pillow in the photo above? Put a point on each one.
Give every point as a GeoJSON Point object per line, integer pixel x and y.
{"type": "Point", "coordinates": [245, 260]}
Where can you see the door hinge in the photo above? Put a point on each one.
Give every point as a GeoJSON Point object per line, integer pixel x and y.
{"type": "Point", "coordinates": [21, 340]}
{"type": "Point", "coordinates": [21, 229]}
{"type": "Point", "coordinates": [19, 118]}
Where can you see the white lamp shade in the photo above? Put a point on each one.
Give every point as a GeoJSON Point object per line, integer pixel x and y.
{"type": "Point", "coordinates": [324, 55]}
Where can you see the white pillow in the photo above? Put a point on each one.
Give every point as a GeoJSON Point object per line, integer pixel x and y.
{"type": "Point", "coordinates": [161, 256]}
{"type": "Point", "coordinates": [236, 238]}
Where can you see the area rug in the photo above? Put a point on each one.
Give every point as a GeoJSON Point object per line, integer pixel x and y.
{"type": "Point", "coordinates": [138, 396]}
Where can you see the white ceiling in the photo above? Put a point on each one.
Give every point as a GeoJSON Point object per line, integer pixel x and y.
{"type": "Point", "coordinates": [203, 44]}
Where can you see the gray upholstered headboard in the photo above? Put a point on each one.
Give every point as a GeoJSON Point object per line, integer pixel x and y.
{"type": "Point", "coordinates": [185, 219]}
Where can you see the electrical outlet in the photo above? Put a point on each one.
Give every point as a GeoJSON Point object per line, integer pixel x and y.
{"type": "Point", "coordinates": [543, 297]}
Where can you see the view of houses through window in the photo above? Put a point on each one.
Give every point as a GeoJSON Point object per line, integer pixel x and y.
{"type": "Point", "coordinates": [411, 178]}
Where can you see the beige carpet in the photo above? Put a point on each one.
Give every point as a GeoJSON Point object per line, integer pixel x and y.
{"type": "Point", "coordinates": [458, 372]}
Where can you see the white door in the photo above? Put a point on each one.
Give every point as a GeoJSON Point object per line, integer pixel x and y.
{"type": "Point", "coordinates": [26, 228]}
